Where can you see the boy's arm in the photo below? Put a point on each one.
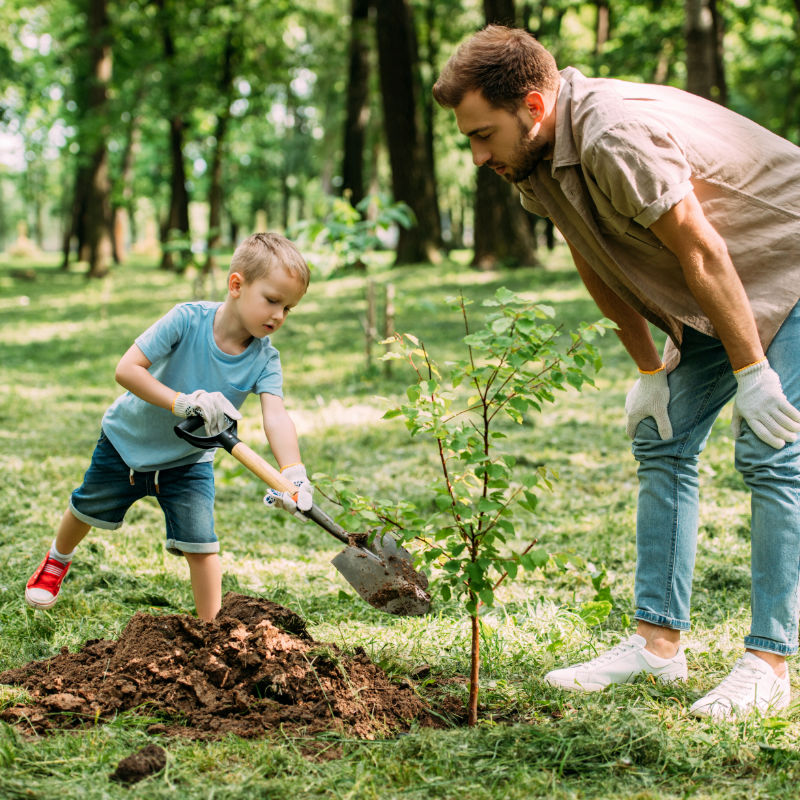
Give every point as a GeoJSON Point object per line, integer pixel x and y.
{"type": "Point", "coordinates": [132, 374]}
{"type": "Point", "coordinates": [280, 431]}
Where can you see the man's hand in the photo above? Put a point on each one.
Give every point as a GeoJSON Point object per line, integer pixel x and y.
{"type": "Point", "coordinates": [649, 397]}
{"type": "Point", "coordinates": [213, 407]}
{"type": "Point", "coordinates": [294, 503]}
{"type": "Point", "coordinates": [760, 401]}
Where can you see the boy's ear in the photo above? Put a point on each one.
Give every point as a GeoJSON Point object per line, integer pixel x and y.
{"type": "Point", "coordinates": [235, 283]}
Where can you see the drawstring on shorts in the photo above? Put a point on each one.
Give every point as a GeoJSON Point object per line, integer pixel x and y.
{"type": "Point", "coordinates": [155, 480]}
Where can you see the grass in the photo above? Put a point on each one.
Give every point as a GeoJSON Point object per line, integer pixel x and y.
{"type": "Point", "coordinates": [62, 336]}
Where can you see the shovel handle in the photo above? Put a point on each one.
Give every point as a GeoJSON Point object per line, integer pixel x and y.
{"type": "Point", "coordinates": [258, 466]}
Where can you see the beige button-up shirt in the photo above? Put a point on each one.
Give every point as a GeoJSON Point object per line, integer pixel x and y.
{"type": "Point", "coordinates": [625, 153]}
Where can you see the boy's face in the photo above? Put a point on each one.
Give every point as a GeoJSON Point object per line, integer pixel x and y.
{"type": "Point", "coordinates": [263, 304]}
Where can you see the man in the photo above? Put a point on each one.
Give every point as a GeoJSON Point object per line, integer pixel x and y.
{"type": "Point", "coordinates": [680, 213]}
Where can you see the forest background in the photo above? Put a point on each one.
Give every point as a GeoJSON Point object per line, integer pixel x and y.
{"type": "Point", "coordinates": [177, 127]}
{"type": "Point", "coordinates": [138, 142]}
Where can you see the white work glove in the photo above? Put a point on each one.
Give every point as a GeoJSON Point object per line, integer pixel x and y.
{"type": "Point", "coordinates": [293, 502]}
{"type": "Point", "coordinates": [213, 407]}
{"type": "Point", "coordinates": [649, 397]}
{"type": "Point", "coordinates": [760, 401]}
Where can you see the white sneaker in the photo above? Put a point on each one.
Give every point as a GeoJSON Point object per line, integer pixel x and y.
{"type": "Point", "coordinates": [621, 664]}
{"type": "Point", "coordinates": [751, 686]}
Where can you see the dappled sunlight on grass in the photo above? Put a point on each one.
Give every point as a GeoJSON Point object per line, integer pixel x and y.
{"type": "Point", "coordinates": [59, 349]}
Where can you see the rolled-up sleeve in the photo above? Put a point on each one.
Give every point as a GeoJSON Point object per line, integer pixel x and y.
{"type": "Point", "coordinates": [640, 168]}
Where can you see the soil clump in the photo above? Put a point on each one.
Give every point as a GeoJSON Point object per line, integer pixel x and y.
{"type": "Point", "coordinates": [253, 670]}
{"type": "Point", "coordinates": [140, 765]}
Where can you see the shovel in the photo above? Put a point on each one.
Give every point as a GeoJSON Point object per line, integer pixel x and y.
{"type": "Point", "coordinates": [381, 572]}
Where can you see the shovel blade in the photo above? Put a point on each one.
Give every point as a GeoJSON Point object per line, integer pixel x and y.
{"type": "Point", "coordinates": [385, 577]}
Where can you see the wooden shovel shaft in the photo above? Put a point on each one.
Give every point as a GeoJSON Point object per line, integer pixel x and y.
{"type": "Point", "coordinates": [263, 469]}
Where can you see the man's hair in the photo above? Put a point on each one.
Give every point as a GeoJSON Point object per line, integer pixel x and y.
{"type": "Point", "coordinates": [504, 64]}
{"type": "Point", "coordinates": [261, 252]}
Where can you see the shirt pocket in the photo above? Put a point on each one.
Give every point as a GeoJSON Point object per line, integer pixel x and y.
{"type": "Point", "coordinates": [237, 395]}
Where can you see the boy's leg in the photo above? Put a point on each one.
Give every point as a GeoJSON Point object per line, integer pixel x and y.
{"type": "Point", "coordinates": [186, 495]}
{"type": "Point", "coordinates": [205, 570]}
{"type": "Point", "coordinates": [100, 501]}
{"type": "Point", "coordinates": [70, 533]}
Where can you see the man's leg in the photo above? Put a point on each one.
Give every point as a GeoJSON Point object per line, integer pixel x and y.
{"type": "Point", "coordinates": [667, 510]}
{"type": "Point", "coordinates": [666, 523]}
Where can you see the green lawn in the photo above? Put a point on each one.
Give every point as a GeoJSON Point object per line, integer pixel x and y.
{"type": "Point", "coordinates": [61, 338]}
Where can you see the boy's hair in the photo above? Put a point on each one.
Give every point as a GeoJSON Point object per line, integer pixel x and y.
{"type": "Point", "coordinates": [504, 64]}
{"type": "Point", "coordinates": [261, 252]}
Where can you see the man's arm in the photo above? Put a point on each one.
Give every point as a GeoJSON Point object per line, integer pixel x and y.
{"type": "Point", "coordinates": [632, 327]}
{"type": "Point", "coordinates": [711, 278]}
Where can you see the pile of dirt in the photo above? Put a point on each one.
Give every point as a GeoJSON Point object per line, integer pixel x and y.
{"type": "Point", "coordinates": [252, 670]}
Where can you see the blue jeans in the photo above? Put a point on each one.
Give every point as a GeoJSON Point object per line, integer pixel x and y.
{"type": "Point", "coordinates": [667, 516]}
{"type": "Point", "coordinates": [185, 494]}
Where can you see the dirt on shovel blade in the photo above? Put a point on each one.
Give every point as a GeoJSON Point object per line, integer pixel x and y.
{"type": "Point", "coordinates": [252, 670]}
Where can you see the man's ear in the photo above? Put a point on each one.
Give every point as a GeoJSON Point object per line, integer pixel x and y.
{"type": "Point", "coordinates": [534, 102]}
{"type": "Point", "coordinates": [235, 283]}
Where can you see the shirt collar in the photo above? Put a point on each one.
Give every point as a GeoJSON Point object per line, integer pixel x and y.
{"type": "Point", "coordinates": [565, 151]}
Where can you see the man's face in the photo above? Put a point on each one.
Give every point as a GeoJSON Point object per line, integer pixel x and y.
{"type": "Point", "coordinates": [511, 144]}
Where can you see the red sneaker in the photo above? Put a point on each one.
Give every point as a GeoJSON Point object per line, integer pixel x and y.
{"type": "Point", "coordinates": [42, 589]}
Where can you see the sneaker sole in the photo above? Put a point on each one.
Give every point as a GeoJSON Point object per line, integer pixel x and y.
{"type": "Point", "coordinates": [598, 687]}
{"type": "Point", "coordinates": [35, 604]}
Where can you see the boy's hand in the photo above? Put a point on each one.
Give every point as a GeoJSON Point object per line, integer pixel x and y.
{"type": "Point", "coordinates": [213, 407]}
{"type": "Point", "coordinates": [296, 473]}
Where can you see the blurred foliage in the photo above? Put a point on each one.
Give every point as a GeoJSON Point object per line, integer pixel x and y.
{"type": "Point", "coordinates": [283, 150]}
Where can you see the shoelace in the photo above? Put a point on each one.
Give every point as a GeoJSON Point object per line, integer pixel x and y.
{"type": "Point", "coordinates": [740, 679]}
{"type": "Point", "coordinates": [613, 653]}
{"type": "Point", "coordinates": [54, 567]}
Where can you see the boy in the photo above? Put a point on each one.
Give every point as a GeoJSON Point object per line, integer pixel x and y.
{"type": "Point", "coordinates": [200, 358]}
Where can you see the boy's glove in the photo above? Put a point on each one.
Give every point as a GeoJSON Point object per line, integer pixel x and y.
{"type": "Point", "coordinates": [296, 473]}
{"type": "Point", "coordinates": [213, 407]}
{"type": "Point", "coordinates": [760, 401]}
{"type": "Point", "coordinates": [649, 397]}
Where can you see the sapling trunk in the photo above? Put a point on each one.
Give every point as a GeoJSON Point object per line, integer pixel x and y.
{"type": "Point", "coordinates": [474, 669]}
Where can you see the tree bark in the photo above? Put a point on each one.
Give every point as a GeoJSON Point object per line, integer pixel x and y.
{"type": "Point", "coordinates": [705, 74]}
{"type": "Point", "coordinates": [123, 213]}
{"type": "Point", "coordinates": [504, 233]}
{"type": "Point", "coordinates": [474, 670]}
{"type": "Point", "coordinates": [98, 201]}
{"type": "Point", "coordinates": [177, 219]}
{"type": "Point", "coordinates": [215, 194]}
{"type": "Point", "coordinates": [413, 179]}
{"type": "Point", "coordinates": [357, 105]}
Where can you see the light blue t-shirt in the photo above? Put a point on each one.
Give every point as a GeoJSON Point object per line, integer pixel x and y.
{"type": "Point", "coordinates": [185, 357]}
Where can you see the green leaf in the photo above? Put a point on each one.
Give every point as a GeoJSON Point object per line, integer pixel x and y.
{"type": "Point", "coordinates": [594, 612]}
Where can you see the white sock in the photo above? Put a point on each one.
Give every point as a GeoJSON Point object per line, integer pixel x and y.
{"type": "Point", "coordinates": [64, 559]}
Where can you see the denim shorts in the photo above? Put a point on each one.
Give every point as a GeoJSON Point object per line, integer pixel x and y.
{"type": "Point", "coordinates": [185, 494]}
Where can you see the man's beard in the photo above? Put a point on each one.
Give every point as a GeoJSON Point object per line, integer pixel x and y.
{"type": "Point", "coordinates": [527, 155]}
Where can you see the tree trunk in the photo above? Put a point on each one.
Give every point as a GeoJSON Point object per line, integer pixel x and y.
{"type": "Point", "coordinates": [474, 670]}
{"type": "Point", "coordinates": [98, 201]}
{"type": "Point", "coordinates": [177, 219]}
{"type": "Point", "coordinates": [123, 213]}
{"type": "Point", "coordinates": [503, 229]}
{"type": "Point", "coordinates": [705, 74]}
{"type": "Point", "coordinates": [412, 170]}
{"type": "Point", "coordinates": [357, 105]}
{"type": "Point", "coordinates": [215, 188]}
{"type": "Point", "coordinates": [602, 27]}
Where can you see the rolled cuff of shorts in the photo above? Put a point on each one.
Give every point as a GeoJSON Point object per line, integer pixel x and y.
{"type": "Point", "coordinates": [179, 548]}
{"type": "Point", "coordinates": [95, 523]}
